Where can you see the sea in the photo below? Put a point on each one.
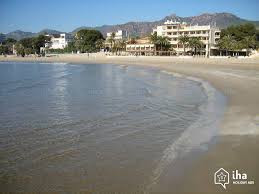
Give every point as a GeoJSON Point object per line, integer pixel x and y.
{"type": "Point", "coordinates": [99, 127]}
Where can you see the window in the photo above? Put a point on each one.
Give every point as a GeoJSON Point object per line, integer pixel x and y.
{"type": "Point", "coordinates": [169, 27]}
{"type": "Point", "coordinates": [175, 33]}
{"type": "Point", "coordinates": [198, 32]}
{"type": "Point", "coordinates": [204, 31]}
{"type": "Point", "coordinates": [169, 33]}
{"type": "Point", "coordinates": [192, 32]}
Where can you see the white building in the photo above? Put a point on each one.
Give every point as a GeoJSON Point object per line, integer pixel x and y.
{"type": "Point", "coordinates": [173, 30]}
{"type": "Point", "coordinates": [119, 35]}
{"type": "Point", "coordinates": [58, 41]}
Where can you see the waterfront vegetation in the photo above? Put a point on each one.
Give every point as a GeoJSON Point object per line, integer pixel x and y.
{"type": "Point", "coordinates": [32, 45]}
{"type": "Point", "coordinates": [233, 39]}
{"type": "Point", "coordinates": [236, 38]}
{"type": "Point", "coordinates": [86, 40]}
{"type": "Point", "coordinates": [7, 46]}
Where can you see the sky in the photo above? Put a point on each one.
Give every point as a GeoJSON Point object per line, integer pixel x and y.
{"type": "Point", "coordinates": [66, 15]}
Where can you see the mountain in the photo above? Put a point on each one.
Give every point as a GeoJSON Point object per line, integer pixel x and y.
{"type": "Point", "coordinates": [49, 31]}
{"type": "Point", "coordinates": [221, 20]}
{"type": "Point", "coordinates": [18, 34]}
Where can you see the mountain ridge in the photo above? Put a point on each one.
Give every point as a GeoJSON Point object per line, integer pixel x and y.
{"type": "Point", "coordinates": [221, 20]}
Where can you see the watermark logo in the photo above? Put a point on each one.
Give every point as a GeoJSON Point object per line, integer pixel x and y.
{"type": "Point", "coordinates": [221, 177]}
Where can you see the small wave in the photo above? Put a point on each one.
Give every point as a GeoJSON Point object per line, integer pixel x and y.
{"type": "Point", "coordinates": [198, 133]}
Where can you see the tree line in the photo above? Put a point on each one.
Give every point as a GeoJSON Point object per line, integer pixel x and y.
{"type": "Point", "coordinates": [84, 41]}
{"type": "Point", "coordinates": [236, 38]}
{"type": "Point", "coordinates": [233, 38]}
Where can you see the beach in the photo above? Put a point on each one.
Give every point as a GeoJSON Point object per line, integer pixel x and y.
{"type": "Point", "coordinates": [237, 144]}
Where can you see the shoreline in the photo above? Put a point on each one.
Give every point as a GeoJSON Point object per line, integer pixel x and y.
{"type": "Point", "coordinates": [237, 79]}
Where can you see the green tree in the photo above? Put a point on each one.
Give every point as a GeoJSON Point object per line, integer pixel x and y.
{"type": "Point", "coordinates": [226, 43]}
{"type": "Point", "coordinates": [19, 49]}
{"type": "Point", "coordinates": [85, 40]}
{"type": "Point", "coordinates": [39, 42]}
{"type": "Point", "coordinates": [70, 47]}
{"type": "Point", "coordinates": [248, 42]}
{"type": "Point", "coordinates": [154, 39]}
{"type": "Point", "coordinates": [119, 46]}
{"type": "Point", "coordinates": [3, 50]}
{"type": "Point", "coordinates": [195, 44]}
{"type": "Point", "coordinates": [163, 43]}
{"type": "Point", "coordinates": [99, 44]}
{"type": "Point", "coordinates": [184, 40]}
{"type": "Point", "coordinates": [235, 38]}
{"type": "Point", "coordinates": [111, 40]}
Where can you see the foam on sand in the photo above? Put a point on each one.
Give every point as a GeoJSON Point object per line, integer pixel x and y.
{"type": "Point", "coordinates": [198, 134]}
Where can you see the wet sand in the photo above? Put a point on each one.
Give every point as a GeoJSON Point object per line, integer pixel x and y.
{"type": "Point", "coordinates": [237, 145]}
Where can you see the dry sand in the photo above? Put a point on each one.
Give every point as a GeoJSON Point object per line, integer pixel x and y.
{"type": "Point", "coordinates": [238, 145]}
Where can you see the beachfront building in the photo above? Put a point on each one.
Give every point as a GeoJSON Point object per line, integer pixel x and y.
{"type": "Point", "coordinates": [208, 34]}
{"type": "Point", "coordinates": [141, 47]}
{"type": "Point", "coordinates": [119, 35]}
{"type": "Point", "coordinates": [113, 37]}
{"type": "Point", "coordinates": [58, 41]}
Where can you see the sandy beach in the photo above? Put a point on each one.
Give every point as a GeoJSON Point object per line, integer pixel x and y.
{"type": "Point", "coordinates": [237, 147]}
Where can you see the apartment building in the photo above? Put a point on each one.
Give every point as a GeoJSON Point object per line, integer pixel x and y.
{"type": "Point", "coordinates": [208, 34]}
{"type": "Point", "coordinates": [58, 41]}
{"type": "Point", "coordinates": [119, 35]}
{"type": "Point", "coordinates": [141, 46]}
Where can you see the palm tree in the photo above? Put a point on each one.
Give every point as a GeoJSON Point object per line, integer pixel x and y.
{"type": "Point", "coordinates": [111, 40]}
{"type": "Point", "coordinates": [121, 45]}
{"type": "Point", "coordinates": [195, 43]}
{"type": "Point", "coordinates": [226, 43]}
{"type": "Point", "coordinates": [163, 43]}
{"type": "Point", "coordinates": [99, 44]}
{"type": "Point", "coordinates": [184, 41]}
{"type": "Point", "coordinates": [153, 39]}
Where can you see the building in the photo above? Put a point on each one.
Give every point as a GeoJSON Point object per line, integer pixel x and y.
{"type": "Point", "coordinates": [58, 41]}
{"type": "Point", "coordinates": [119, 35]}
{"type": "Point", "coordinates": [141, 47]}
{"type": "Point", "coordinates": [209, 35]}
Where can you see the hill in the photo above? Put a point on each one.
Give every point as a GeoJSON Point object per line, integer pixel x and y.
{"type": "Point", "coordinates": [221, 20]}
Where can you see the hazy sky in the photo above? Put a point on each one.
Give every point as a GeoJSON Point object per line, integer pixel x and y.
{"type": "Point", "coordinates": [66, 15]}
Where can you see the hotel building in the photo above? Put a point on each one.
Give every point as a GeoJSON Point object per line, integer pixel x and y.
{"type": "Point", "coordinates": [58, 41]}
{"type": "Point", "coordinates": [209, 35]}
{"type": "Point", "coordinates": [119, 35]}
{"type": "Point", "coordinates": [141, 47]}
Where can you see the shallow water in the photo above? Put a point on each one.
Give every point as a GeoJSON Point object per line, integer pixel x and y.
{"type": "Point", "coordinates": [106, 128]}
